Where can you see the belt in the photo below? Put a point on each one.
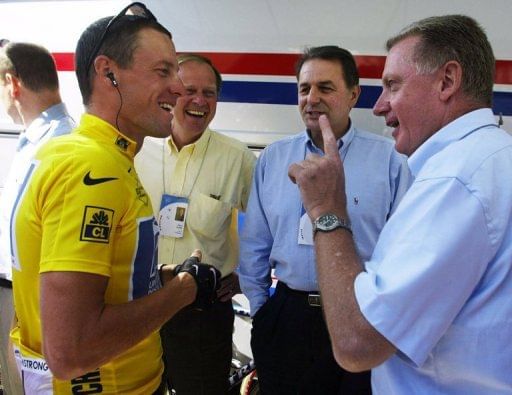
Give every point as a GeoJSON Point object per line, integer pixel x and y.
{"type": "Point", "coordinates": [313, 298]}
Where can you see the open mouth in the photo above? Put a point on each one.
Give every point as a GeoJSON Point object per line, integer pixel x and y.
{"type": "Point", "coordinates": [314, 114]}
{"type": "Point", "coordinates": [195, 113]}
{"type": "Point", "coordinates": [165, 106]}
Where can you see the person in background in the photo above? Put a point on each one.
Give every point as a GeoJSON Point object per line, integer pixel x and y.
{"type": "Point", "coordinates": [430, 311]}
{"type": "Point", "coordinates": [87, 292]}
{"type": "Point", "coordinates": [198, 180]}
{"type": "Point", "coordinates": [29, 90]}
{"type": "Point", "coordinates": [290, 342]}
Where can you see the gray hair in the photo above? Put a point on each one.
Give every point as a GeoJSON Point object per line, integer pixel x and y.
{"type": "Point", "coordinates": [453, 37]}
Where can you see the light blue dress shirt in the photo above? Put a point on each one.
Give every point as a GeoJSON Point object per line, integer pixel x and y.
{"type": "Point", "coordinates": [376, 179]}
{"type": "Point", "coordinates": [54, 121]}
{"type": "Point", "coordinates": [439, 284]}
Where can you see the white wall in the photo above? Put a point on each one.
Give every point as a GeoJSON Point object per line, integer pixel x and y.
{"type": "Point", "coordinates": [268, 26]}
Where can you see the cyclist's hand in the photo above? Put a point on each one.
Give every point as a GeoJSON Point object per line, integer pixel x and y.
{"type": "Point", "coordinates": [207, 279]}
{"type": "Point", "coordinates": [229, 287]}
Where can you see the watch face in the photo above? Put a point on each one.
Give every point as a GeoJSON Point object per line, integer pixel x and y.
{"type": "Point", "coordinates": [327, 221]}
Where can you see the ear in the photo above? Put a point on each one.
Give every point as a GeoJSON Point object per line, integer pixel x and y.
{"type": "Point", "coordinates": [13, 85]}
{"type": "Point", "coordinates": [451, 79]}
{"type": "Point", "coordinates": [104, 65]}
{"type": "Point", "coordinates": [354, 92]}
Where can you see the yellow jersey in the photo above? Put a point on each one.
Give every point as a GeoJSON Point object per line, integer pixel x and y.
{"type": "Point", "coordinates": [82, 208]}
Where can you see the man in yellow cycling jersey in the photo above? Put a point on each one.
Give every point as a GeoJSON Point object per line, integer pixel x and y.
{"type": "Point", "coordinates": [89, 298]}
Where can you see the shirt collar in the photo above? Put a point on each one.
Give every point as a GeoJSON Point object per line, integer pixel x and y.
{"type": "Point", "coordinates": [102, 130]}
{"type": "Point", "coordinates": [40, 126]}
{"type": "Point", "coordinates": [200, 144]}
{"type": "Point", "coordinates": [343, 142]}
{"type": "Point", "coordinates": [454, 131]}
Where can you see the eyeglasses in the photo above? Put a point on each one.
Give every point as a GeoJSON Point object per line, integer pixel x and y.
{"type": "Point", "coordinates": [137, 9]}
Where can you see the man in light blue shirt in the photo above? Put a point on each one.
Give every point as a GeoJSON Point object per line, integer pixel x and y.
{"type": "Point", "coordinates": [289, 339]}
{"type": "Point", "coordinates": [432, 313]}
{"type": "Point", "coordinates": [29, 89]}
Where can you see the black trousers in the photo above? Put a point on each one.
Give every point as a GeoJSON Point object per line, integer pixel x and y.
{"type": "Point", "coordinates": [197, 350]}
{"type": "Point", "coordinates": [292, 350]}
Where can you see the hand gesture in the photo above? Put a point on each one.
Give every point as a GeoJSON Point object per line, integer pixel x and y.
{"type": "Point", "coordinates": [321, 179]}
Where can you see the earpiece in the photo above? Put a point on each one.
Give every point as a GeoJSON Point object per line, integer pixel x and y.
{"type": "Point", "coordinates": [112, 78]}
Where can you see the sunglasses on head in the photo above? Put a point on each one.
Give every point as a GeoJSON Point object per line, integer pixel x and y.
{"type": "Point", "coordinates": [137, 9]}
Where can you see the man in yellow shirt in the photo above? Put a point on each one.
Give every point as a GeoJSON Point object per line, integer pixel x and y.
{"type": "Point", "coordinates": [29, 91]}
{"type": "Point", "coordinates": [87, 293]}
{"type": "Point", "coordinates": [198, 180]}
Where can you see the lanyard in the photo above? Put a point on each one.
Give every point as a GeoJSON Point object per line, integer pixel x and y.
{"type": "Point", "coordinates": [198, 172]}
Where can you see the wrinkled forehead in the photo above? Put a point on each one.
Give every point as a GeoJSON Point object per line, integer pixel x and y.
{"type": "Point", "coordinates": [320, 70]}
{"type": "Point", "coordinates": [400, 57]}
{"type": "Point", "coordinates": [193, 68]}
{"type": "Point", "coordinates": [404, 50]}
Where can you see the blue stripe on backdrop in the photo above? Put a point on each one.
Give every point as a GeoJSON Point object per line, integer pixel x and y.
{"type": "Point", "coordinates": [502, 102]}
{"type": "Point", "coordinates": [286, 93]}
{"type": "Point", "coordinates": [258, 92]}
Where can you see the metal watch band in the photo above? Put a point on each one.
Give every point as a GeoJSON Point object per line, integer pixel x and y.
{"type": "Point", "coordinates": [329, 222]}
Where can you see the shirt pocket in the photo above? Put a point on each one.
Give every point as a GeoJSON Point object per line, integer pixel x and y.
{"type": "Point", "coordinates": [208, 217]}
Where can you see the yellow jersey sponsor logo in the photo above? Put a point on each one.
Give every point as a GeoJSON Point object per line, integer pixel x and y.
{"type": "Point", "coordinates": [96, 224]}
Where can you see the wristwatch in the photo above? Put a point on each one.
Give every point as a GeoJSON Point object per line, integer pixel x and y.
{"type": "Point", "coordinates": [329, 222]}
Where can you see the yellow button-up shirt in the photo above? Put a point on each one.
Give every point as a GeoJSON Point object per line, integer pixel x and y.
{"type": "Point", "coordinates": [215, 174]}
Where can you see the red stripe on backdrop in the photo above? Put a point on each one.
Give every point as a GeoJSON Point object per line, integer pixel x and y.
{"type": "Point", "coordinates": [279, 64]}
{"type": "Point", "coordinates": [282, 64]}
{"type": "Point", "coordinates": [503, 72]}
{"type": "Point", "coordinates": [254, 63]}
{"type": "Point", "coordinates": [65, 61]}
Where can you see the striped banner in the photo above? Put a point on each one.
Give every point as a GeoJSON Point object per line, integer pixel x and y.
{"type": "Point", "coordinates": [285, 92]}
